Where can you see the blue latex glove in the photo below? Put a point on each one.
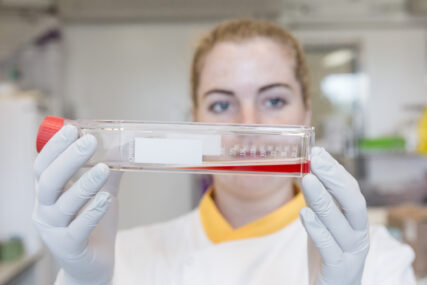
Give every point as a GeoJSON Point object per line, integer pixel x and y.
{"type": "Point", "coordinates": [336, 221]}
{"type": "Point", "coordinates": [80, 238]}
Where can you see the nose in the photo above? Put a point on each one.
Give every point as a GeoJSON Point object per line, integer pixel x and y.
{"type": "Point", "coordinates": [248, 114]}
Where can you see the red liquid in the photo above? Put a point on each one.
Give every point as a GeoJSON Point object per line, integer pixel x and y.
{"type": "Point", "coordinates": [274, 168]}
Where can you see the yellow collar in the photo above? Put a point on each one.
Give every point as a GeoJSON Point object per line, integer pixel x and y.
{"type": "Point", "coordinates": [219, 230]}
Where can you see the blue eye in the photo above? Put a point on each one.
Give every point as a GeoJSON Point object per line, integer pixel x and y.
{"type": "Point", "coordinates": [219, 107]}
{"type": "Point", "coordinates": [275, 102]}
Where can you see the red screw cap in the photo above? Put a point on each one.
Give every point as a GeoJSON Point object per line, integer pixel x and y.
{"type": "Point", "coordinates": [50, 126]}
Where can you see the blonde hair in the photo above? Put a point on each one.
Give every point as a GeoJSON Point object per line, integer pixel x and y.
{"type": "Point", "coordinates": [242, 30]}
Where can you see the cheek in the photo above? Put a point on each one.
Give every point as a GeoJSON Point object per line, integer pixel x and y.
{"type": "Point", "coordinates": [295, 114]}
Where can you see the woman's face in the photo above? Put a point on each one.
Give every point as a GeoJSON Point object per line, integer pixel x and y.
{"type": "Point", "coordinates": [251, 82]}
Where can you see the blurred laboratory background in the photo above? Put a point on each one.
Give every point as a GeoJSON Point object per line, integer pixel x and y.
{"type": "Point", "coordinates": [105, 59]}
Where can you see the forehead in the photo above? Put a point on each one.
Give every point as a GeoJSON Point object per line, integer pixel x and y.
{"type": "Point", "coordinates": [249, 63]}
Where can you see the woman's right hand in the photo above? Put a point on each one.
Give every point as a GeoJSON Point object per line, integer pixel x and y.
{"type": "Point", "coordinates": [80, 239]}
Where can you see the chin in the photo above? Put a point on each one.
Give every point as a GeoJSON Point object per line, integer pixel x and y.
{"type": "Point", "coordinates": [251, 185]}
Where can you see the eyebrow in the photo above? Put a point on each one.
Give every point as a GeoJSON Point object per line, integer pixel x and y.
{"type": "Point", "coordinates": [260, 90]}
{"type": "Point", "coordinates": [274, 85]}
{"type": "Point", "coordinates": [221, 91]}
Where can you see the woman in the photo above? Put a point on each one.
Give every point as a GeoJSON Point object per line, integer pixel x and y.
{"type": "Point", "coordinates": [246, 229]}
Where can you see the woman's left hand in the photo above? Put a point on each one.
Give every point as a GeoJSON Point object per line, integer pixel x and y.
{"type": "Point", "coordinates": [339, 230]}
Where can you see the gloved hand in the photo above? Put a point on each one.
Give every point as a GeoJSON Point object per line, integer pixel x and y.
{"type": "Point", "coordinates": [339, 230]}
{"type": "Point", "coordinates": [80, 241]}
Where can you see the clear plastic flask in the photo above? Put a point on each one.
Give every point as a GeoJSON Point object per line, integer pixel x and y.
{"type": "Point", "coordinates": [193, 147]}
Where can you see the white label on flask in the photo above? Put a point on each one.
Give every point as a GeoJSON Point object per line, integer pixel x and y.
{"type": "Point", "coordinates": [168, 151]}
{"type": "Point", "coordinates": [211, 144]}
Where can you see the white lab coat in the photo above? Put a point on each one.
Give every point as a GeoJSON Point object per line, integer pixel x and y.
{"type": "Point", "coordinates": [179, 252]}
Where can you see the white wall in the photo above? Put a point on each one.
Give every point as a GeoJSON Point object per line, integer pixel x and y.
{"type": "Point", "coordinates": [135, 72]}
